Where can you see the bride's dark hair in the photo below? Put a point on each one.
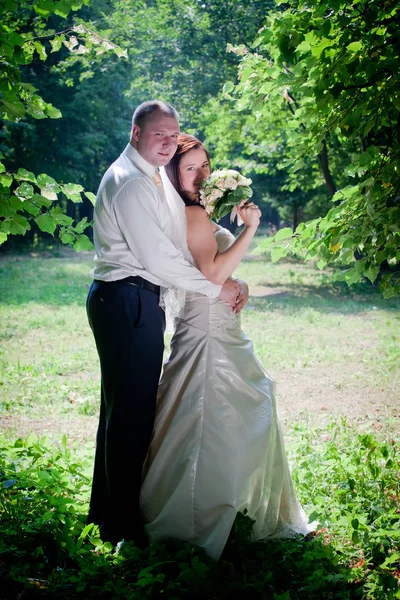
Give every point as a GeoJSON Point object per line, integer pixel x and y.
{"type": "Point", "coordinates": [186, 142]}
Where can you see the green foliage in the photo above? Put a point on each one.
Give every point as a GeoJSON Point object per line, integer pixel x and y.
{"type": "Point", "coordinates": [331, 68]}
{"type": "Point", "coordinates": [24, 39]}
{"type": "Point", "coordinates": [24, 197]}
{"type": "Point", "coordinates": [349, 478]}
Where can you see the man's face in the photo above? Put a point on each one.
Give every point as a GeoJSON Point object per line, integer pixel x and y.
{"type": "Point", "coordinates": [157, 139]}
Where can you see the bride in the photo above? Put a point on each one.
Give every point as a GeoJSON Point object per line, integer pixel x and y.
{"type": "Point", "coordinates": [217, 446]}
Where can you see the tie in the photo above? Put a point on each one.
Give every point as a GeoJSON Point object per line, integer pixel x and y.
{"type": "Point", "coordinates": [158, 181]}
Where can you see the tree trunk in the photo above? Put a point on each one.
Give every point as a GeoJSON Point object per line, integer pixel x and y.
{"type": "Point", "coordinates": [324, 162]}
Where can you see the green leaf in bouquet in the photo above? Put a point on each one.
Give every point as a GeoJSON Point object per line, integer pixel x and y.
{"type": "Point", "coordinates": [242, 192]}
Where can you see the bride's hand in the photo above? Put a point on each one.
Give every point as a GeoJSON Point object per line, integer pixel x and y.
{"type": "Point", "coordinates": [249, 213]}
{"type": "Point", "coordinates": [243, 296]}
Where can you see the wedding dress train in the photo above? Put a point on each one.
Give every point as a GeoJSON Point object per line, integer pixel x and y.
{"type": "Point", "coordinates": [217, 447]}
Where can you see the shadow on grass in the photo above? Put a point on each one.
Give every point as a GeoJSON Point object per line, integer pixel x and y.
{"type": "Point", "coordinates": [336, 299]}
{"type": "Point", "coordinates": [63, 281]}
{"type": "Point", "coordinates": [48, 281]}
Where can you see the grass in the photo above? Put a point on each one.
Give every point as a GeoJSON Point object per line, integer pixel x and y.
{"type": "Point", "coordinates": [335, 355]}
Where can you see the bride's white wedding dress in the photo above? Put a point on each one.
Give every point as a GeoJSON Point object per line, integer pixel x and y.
{"type": "Point", "coordinates": [217, 447]}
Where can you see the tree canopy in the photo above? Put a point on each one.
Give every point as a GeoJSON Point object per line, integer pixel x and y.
{"type": "Point", "coordinates": [301, 96]}
{"type": "Point", "coordinates": [331, 68]}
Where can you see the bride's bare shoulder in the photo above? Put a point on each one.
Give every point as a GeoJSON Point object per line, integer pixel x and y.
{"type": "Point", "coordinates": [196, 213]}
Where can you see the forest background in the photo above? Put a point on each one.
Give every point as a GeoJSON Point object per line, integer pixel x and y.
{"type": "Point", "coordinates": [303, 97]}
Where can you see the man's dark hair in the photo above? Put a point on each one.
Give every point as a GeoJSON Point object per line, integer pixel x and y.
{"type": "Point", "coordinates": [146, 109]}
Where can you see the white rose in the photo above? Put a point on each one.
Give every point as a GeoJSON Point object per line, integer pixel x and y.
{"type": "Point", "coordinates": [231, 183]}
{"type": "Point", "coordinates": [221, 184]}
{"type": "Point", "coordinates": [209, 209]}
{"type": "Point", "coordinates": [244, 181]}
{"type": "Point", "coordinates": [215, 194]}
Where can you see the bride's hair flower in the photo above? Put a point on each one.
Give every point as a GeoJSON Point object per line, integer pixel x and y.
{"type": "Point", "coordinates": [222, 191]}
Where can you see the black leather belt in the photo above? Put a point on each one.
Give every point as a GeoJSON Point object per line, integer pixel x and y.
{"type": "Point", "coordinates": [136, 280]}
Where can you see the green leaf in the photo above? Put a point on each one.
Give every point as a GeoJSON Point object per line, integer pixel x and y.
{"type": "Point", "coordinates": [16, 203]}
{"type": "Point", "coordinates": [62, 9]}
{"type": "Point", "coordinates": [13, 109]}
{"type": "Point", "coordinates": [46, 223]}
{"type": "Point", "coordinates": [354, 46]}
{"type": "Point", "coordinates": [41, 200]}
{"type": "Point", "coordinates": [283, 234]}
{"type": "Point", "coordinates": [59, 216]}
{"type": "Point", "coordinates": [56, 42]}
{"type": "Point", "coordinates": [6, 180]}
{"type": "Point", "coordinates": [264, 245]}
{"type": "Point", "coordinates": [36, 108]}
{"type": "Point", "coordinates": [81, 226]}
{"type": "Point", "coordinates": [303, 47]}
{"type": "Point", "coordinates": [67, 236]}
{"type": "Point", "coordinates": [3, 237]}
{"type": "Point", "coordinates": [43, 7]}
{"type": "Point", "coordinates": [372, 272]}
{"type": "Point", "coordinates": [23, 174]}
{"type": "Point", "coordinates": [72, 191]}
{"type": "Point", "coordinates": [31, 208]}
{"type": "Point", "coordinates": [91, 197]}
{"type": "Point", "coordinates": [18, 225]}
{"type": "Point", "coordinates": [83, 243]}
{"type": "Point", "coordinates": [229, 86]}
{"type": "Point", "coordinates": [25, 190]}
{"type": "Point", "coordinates": [40, 50]}
{"type": "Point", "coordinates": [52, 112]}
{"type": "Point", "coordinates": [49, 188]}
{"type": "Point", "coordinates": [278, 252]}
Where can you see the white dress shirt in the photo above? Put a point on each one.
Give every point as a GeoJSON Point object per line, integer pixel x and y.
{"type": "Point", "coordinates": [133, 230]}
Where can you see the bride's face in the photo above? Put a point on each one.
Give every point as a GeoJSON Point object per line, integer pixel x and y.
{"type": "Point", "coordinates": [193, 169]}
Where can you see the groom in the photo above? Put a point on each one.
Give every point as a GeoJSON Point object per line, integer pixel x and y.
{"type": "Point", "coordinates": [134, 257]}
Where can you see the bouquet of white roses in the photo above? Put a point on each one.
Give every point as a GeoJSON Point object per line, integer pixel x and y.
{"type": "Point", "coordinates": [222, 191]}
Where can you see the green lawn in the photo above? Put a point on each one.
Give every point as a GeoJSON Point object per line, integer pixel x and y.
{"type": "Point", "coordinates": [330, 349]}
{"type": "Point", "coordinates": [335, 355]}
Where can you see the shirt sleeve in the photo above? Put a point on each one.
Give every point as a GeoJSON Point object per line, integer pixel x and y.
{"type": "Point", "coordinates": [138, 217]}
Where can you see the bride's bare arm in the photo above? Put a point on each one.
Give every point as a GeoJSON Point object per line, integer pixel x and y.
{"type": "Point", "coordinates": [203, 246]}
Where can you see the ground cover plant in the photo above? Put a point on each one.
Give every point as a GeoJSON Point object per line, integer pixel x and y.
{"type": "Point", "coordinates": [333, 352]}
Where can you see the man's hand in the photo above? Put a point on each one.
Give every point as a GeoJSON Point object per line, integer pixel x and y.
{"type": "Point", "coordinates": [230, 293]}
{"type": "Point", "coordinates": [243, 296]}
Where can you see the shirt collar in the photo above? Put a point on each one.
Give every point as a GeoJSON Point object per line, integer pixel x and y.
{"type": "Point", "coordinates": [139, 161]}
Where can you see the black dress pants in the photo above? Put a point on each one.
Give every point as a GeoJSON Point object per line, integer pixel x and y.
{"type": "Point", "coordinates": [128, 327]}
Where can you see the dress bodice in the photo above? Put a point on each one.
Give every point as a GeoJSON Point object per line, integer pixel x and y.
{"type": "Point", "coordinates": [224, 239]}
{"type": "Point", "coordinates": [212, 315]}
